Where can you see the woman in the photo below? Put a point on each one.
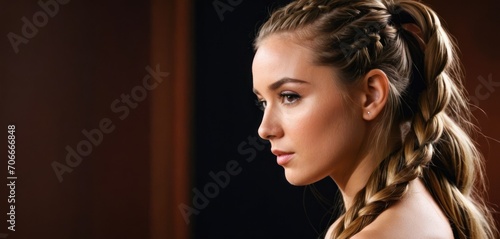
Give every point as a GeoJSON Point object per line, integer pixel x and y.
{"type": "Point", "coordinates": [370, 93]}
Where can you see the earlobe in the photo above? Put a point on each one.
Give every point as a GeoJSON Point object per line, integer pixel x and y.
{"type": "Point", "coordinates": [375, 92]}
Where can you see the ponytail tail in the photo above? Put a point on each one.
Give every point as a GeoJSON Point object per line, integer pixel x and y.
{"type": "Point", "coordinates": [441, 131]}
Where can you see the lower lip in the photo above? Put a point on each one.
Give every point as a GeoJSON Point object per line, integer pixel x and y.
{"type": "Point", "coordinates": [284, 159]}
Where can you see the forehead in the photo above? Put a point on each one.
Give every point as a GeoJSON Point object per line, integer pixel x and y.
{"type": "Point", "coordinates": [278, 55]}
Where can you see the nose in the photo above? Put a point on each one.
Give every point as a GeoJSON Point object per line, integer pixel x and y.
{"type": "Point", "coordinates": [270, 127]}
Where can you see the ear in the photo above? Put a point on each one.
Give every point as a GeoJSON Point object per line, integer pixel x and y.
{"type": "Point", "coordinates": [375, 91]}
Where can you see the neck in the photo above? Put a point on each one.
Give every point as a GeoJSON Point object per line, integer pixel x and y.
{"type": "Point", "coordinates": [350, 184]}
{"type": "Point", "coordinates": [351, 180]}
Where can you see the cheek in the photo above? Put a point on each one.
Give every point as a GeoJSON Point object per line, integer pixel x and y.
{"type": "Point", "coordinates": [328, 131]}
{"type": "Point", "coordinates": [324, 119]}
{"type": "Point", "coordinates": [324, 137]}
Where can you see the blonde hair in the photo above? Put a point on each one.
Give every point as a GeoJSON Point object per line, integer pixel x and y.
{"type": "Point", "coordinates": [404, 39]}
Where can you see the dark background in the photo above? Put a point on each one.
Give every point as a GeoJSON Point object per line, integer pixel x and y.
{"type": "Point", "coordinates": [259, 202]}
{"type": "Point", "coordinates": [197, 121]}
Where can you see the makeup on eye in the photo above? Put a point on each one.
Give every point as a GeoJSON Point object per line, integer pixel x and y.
{"type": "Point", "coordinates": [289, 97]}
{"type": "Point", "coordinates": [285, 97]}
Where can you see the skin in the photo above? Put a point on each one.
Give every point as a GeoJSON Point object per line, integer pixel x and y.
{"type": "Point", "coordinates": [415, 216]}
{"type": "Point", "coordinates": [308, 119]}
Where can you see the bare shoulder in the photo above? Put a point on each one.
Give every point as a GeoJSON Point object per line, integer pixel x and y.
{"type": "Point", "coordinates": [417, 215]}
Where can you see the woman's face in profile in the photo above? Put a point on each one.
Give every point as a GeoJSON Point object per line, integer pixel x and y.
{"type": "Point", "coordinates": [313, 131]}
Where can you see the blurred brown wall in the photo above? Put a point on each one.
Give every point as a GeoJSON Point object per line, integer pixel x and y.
{"type": "Point", "coordinates": [64, 80]}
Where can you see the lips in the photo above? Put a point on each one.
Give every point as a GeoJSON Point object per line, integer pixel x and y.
{"type": "Point", "coordinates": [282, 156]}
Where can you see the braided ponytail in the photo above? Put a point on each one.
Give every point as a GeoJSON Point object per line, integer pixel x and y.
{"type": "Point", "coordinates": [406, 41]}
{"type": "Point", "coordinates": [455, 175]}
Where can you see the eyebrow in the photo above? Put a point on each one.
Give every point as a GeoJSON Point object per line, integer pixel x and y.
{"type": "Point", "coordinates": [281, 82]}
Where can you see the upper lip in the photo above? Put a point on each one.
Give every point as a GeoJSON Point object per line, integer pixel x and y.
{"type": "Point", "coordinates": [279, 152]}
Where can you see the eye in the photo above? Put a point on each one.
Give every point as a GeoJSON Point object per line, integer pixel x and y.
{"type": "Point", "coordinates": [289, 98]}
{"type": "Point", "coordinates": [261, 104]}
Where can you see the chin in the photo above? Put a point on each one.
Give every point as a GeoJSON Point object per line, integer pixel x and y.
{"type": "Point", "coordinates": [298, 179]}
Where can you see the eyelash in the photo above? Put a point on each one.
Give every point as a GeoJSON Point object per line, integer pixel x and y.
{"type": "Point", "coordinates": [292, 97]}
